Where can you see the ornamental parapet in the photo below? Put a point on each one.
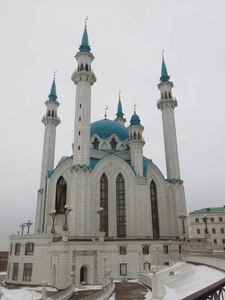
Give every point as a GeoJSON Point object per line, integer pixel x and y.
{"type": "Point", "coordinates": [83, 75]}
{"type": "Point", "coordinates": [51, 120]}
{"type": "Point", "coordinates": [161, 103]}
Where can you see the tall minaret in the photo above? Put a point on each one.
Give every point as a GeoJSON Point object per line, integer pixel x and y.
{"type": "Point", "coordinates": [136, 143]}
{"type": "Point", "coordinates": [119, 116]}
{"type": "Point", "coordinates": [50, 120]}
{"type": "Point", "coordinates": [167, 105]}
{"type": "Point", "coordinates": [84, 78]}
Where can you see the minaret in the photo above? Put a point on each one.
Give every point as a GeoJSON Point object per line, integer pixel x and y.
{"type": "Point", "coordinates": [136, 143]}
{"type": "Point", "coordinates": [119, 116]}
{"type": "Point", "coordinates": [167, 105]}
{"type": "Point", "coordinates": [84, 78]}
{"type": "Point", "coordinates": [50, 120]}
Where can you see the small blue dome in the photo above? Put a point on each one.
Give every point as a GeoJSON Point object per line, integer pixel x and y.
{"type": "Point", "coordinates": [135, 120]}
{"type": "Point", "coordinates": [105, 128]}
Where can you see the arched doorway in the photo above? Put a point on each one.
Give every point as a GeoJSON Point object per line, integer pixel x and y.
{"type": "Point", "coordinates": [84, 274]}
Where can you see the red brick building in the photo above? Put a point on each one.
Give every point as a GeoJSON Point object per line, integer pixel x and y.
{"type": "Point", "coordinates": [3, 260]}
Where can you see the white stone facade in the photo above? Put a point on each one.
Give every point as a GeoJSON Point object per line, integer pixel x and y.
{"type": "Point", "coordinates": [107, 169]}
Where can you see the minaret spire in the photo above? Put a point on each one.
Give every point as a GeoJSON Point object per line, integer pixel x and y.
{"type": "Point", "coordinates": [119, 115]}
{"type": "Point", "coordinates": [51, 121]}
{"type": "Point", "coordinates": [84, 78]}
{"type": "Point", "coordinates": [167, 105]}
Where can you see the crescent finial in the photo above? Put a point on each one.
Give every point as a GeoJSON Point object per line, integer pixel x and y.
{"type": "Point", "coordinates": [86, 23]}
{"type": "Point", "coordinates": [119, 94]}
{"type": "Point", "coordinates": [105, 112]}
{"type": "Point", "coordinates": [54, 75]}
{"type": "Point", "coordinates": [163, 54]}
{"type": "Point", "coordinates": [134, 108]}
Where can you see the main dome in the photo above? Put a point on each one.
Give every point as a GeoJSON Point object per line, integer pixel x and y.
{"type": "Point", "coordinates": [105, 128]}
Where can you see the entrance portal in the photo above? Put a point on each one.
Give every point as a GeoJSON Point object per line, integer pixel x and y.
{"type": "Point", "coordinates": [84, 274]}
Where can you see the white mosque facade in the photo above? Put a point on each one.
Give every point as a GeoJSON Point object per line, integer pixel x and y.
{"type": "Point", "coordinates": [106, 206]}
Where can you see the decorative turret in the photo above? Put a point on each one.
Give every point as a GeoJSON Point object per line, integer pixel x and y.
{"type": "Point", "coordinates": [136, 143]}
{"type": "Point", "coordinates": [84, 78]}
{"type": "Point", "coordinates": [119, 116]}
{"type": "Point", "coordinates": [167, 105]}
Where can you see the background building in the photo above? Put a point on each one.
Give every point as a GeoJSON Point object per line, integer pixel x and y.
{"type": "Point", "coordinates": [105, 205]}
{"type": "Point", "coordinates": [215, 217]}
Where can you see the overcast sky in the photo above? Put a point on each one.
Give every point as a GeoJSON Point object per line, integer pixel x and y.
{"type": "Point", "coordinates": [126, 37]}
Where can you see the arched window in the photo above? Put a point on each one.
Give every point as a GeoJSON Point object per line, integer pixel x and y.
{"type": "Point", "coordinates": [81, 67]}
{"type": "Point", "coordinates": [135, 135]}
{"type": "Point", "coordinates": [104, 201]}
{"type": "Point", "coordinates": [17, 249]}
{"type": "Point", "coordinates": [169, 95]}
{"type": "Point", "coordinates": [29, 249]}
{"type": "Point", "coordinates": [165, 95]}
{"type": "Point", "coordinates": [120, 206]}
{"type": "Point", "coordinates": [60, 200]}
{"type": "Point", "coordinates": [53, 113]}
{"type": "Point", "coordinates": [131, 137]}
{"type": "Point", "coordinates": [139, 136]}
{"type": "Point", "coordinates": [86, 67]}
{"type": "Point", "coordinates": [162, 95]}
{"type": "Point", "coordinates": [95, 143]}
{"type": "Point", "coordinates": [154, 206]}
{"type": "Point", "coordinates": [113, 144]}
{"type": "Point", "coordinates": [49, 113]}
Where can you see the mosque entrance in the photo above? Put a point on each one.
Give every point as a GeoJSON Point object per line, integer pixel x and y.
{"type": "Point", "coordinates": [84, 274]}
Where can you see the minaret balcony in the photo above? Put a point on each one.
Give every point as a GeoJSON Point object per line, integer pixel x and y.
{"type": "Point", "coordinates": [50, 120]}
{"type": "Point", "coordinates": [83, 75]}
{"type": "Point", "coordinates": [170, 102]}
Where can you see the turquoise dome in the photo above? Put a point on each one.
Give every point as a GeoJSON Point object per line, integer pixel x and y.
{"type": "Point", "coordinates": [135, 120]}
{"type": "Point", "coordinates": [105, 128]}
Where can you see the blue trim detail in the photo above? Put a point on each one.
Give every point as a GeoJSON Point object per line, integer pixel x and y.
{"type": "Point", "coordinates": [174, 180]}
{"type": "Point", "coordinates": [49, 173]}
{"type": "Point", "coordinates": [41, 190]}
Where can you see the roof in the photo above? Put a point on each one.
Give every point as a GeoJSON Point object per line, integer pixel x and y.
{"type": "Point", "coordinates": [135, 120]}
{"type": "Point", "coordinates": [105, 128]}
{"type": "Point", "coordinates": [52, 96]}
{"type": "Point", "coordinates": [119, 111]}
{"type": "Point", "coordinates": [164, 76]}
{"type": "Point", "coordinates": [85, 47]}
{"type": "Point", "coordinates": [209, 210]}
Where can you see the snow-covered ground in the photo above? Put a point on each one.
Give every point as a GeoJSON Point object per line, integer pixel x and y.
{"type": "Point", "coordinates": [186, 280]}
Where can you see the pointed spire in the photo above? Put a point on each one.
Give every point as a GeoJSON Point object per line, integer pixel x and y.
{"type": "Point", "coordinates": [85, 47]}
{"type": "Point", "coordinates": [52, 96]}
{"type": "Point", "coordinates": [119, 109]}
{"type": "Point", "coordinates": [164, 75]}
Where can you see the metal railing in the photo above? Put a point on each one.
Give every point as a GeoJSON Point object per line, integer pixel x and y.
{"type": "Point", "coordinates": [215, 291]}
{"type": "Point", "coordinates": [63, 295]}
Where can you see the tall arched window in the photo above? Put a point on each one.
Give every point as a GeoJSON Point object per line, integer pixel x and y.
{"type": "Point", "coordinates": [154, 206]}
{"type": "Point", "coordinates": [113, 144]}
{"type": "Point", "coordinates": [120, 206]}
{"type": "Point", "coordinates": [95, 143]}
{"type": "Point", "coordinates": [60, 200]}
{"type": "Point", "coordinates": [104, 201]}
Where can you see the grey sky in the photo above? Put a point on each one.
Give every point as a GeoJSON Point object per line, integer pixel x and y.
{"type": "Point", "coordinates": [126, 37]}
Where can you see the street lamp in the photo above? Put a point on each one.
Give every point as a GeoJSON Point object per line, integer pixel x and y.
{"type": "Point", "coordinates": [104, 259]}
{"type": "Point", "coordinates": [153, 269]}
{"type": "Point", "coordinates": [101, 213]}
{"type": "Point", "coordinates": [28, 224]}
{"type": "Point", "coordinates": [205, 220]}
{"type": "Point", "coordinates": [182, 217]}
{"type": "Point", "coordinates": [139, 252]}
{"type": "Point", "coordinates": [23, 225]}
{"type": "Point", "coordinates": [66, 211]}
{"type": "Point", "coordinates": [157, 247]}
{"type": "Point", "coordinates": [53, 215]}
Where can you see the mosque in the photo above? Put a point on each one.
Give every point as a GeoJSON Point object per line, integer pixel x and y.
{"type": "Point", "coordinates": [106, 207]}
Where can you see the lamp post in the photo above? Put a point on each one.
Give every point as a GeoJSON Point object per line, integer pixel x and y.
{"type": "Point", "coordinates": [53, 215]}
{"type": "Point", "coordinates": [66, 211]}
{"type": "Point", "coordinates": [74, 271]}
{"type": "Point", "coordinates": [104, 259]}
{"type": "Point", "coordinates": [28, 224]}
{"type": "Point", "coordinates": [157, 247]}
{"type": "Point", "coordinates": [170, 242]}
{"type": "Point", "coordinates": [205, 220]}
{"type": "Point", "coordinates": [43, 291]}
{"type": "Point", "coordinates": [153, 269]}
{"type": "Point", "coordinates": [146, 266]}
{"type": "Point", "coordinates": [182, 217]}
{"type": "Point", "coordinates": [23, 225]}
{"type": "Point", "coordinates": [101, 213]}
{"type": "Point", "coordinates": [139, 253]}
